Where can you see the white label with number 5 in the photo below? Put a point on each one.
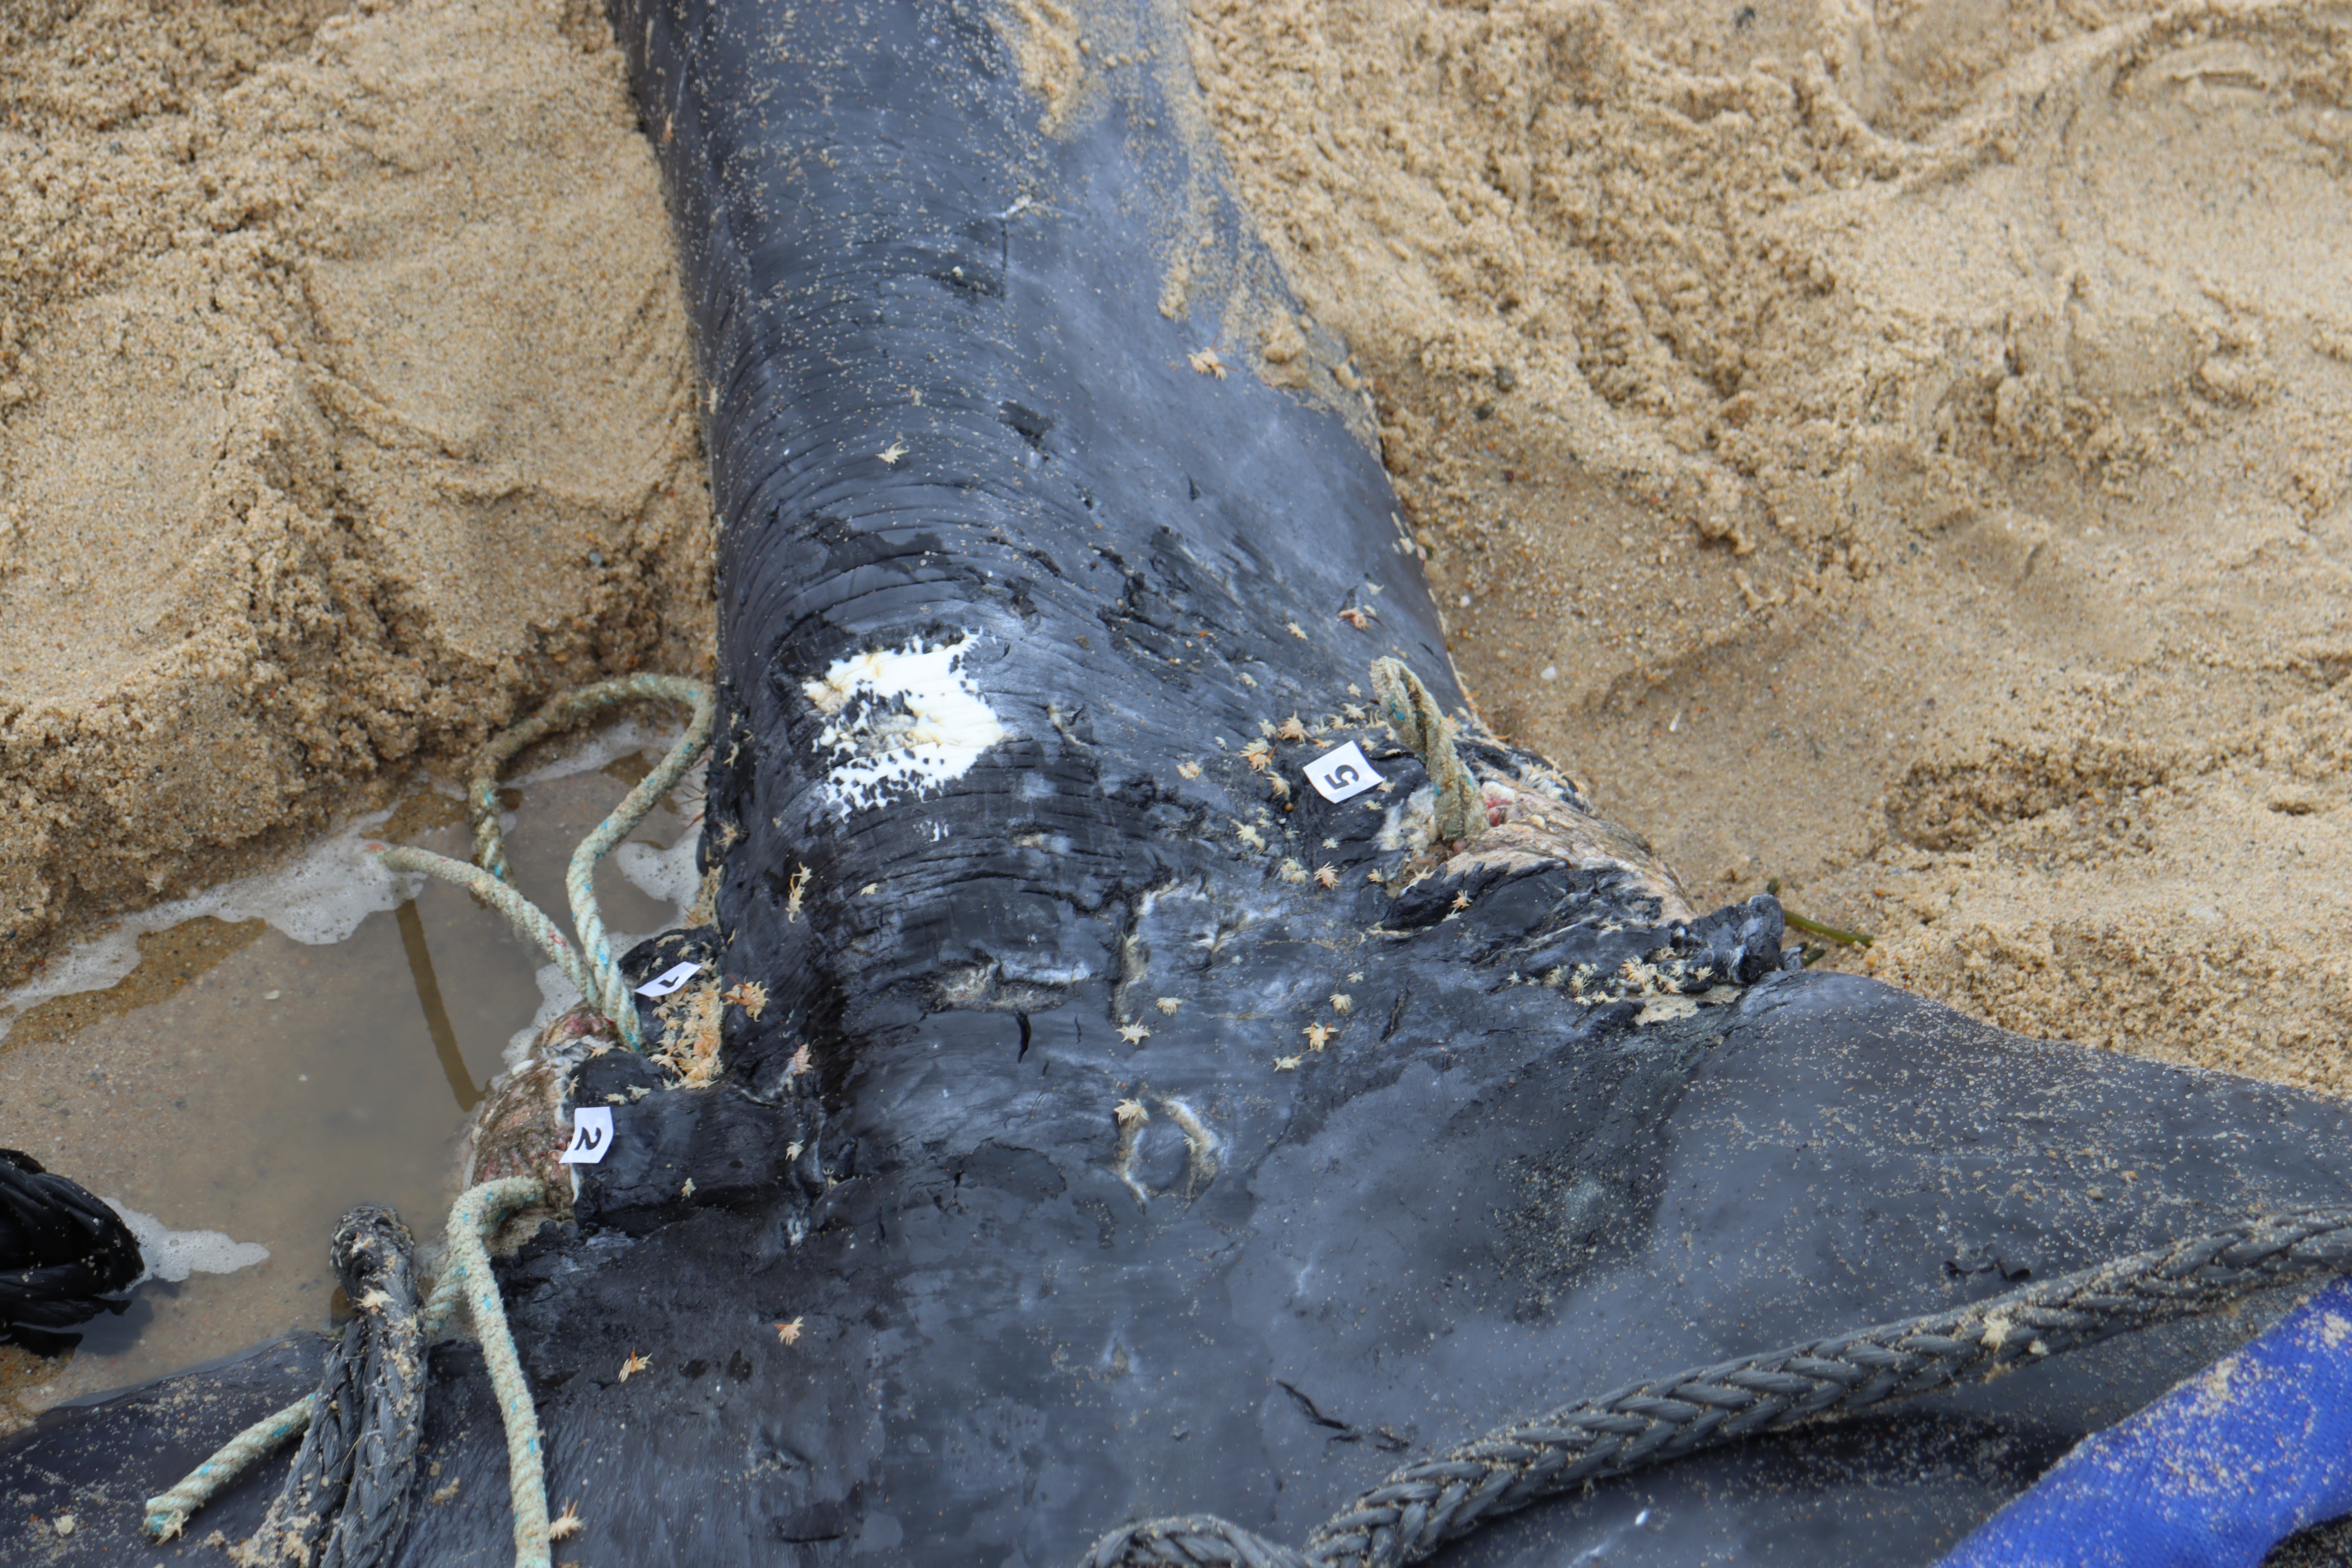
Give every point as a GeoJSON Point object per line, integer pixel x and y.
{"type": "Point", "coordinates": [1342, 774]}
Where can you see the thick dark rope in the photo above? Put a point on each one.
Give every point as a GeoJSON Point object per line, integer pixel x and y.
{"type": "Point", "coordinates": [61, 1252]}
{"type": "Point", "coordinates": [345, 1501]}
{"type": "Point", "coordinates": [1422, 1506]}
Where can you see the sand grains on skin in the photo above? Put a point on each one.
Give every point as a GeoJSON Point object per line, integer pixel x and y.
{"type": "Point", "coordinates": [345, 410]}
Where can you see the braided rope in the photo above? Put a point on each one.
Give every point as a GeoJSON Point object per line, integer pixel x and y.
{"type": "Point", "coordinates": [563, 712]}
{"type": "Point", "coordinates": [168, 1511]}
{"type": "Point", "coordinates": [1429, 734]}
{"type": "Point", "coordinates": [466, 1276]}
{"type": "Point", "coordinates": [611, 992]}
{"type": "Point", "coordinates": [531, 923]}
{"type": "Point", "coordinates": [580, 877]}
{"type": "Point", "coordinates": [591, 967]}
{"type": "Point", "coordinates": [1422, 1505]}
{"type": "Point", "coordinates": [467, 1281]}
{"type": "Point", "coordinates": [344, 1501]}
{"type": "Point", "coordinates": [1190, 1540]}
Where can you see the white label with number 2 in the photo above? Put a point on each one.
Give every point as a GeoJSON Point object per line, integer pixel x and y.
{"type": "Point", "coordinates": [592, 1136]}
{"type": "Point", "coordinates": [1342, 774]}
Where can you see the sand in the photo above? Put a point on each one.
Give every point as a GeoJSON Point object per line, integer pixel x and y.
{"type": "Point", "coordinates": [1904, 452]}
{"type": "Point", "coordinates": [1897, 452]}
{"type": "Point", "coordinates": [346, 409]}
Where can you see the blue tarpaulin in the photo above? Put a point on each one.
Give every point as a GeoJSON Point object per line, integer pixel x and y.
{"type": "Point", "coordinates": [2214, 1474]}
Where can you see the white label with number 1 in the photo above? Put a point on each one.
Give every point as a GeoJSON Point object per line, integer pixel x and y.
{"type": "Point", "coordinates": [672, 979]}
{"type": "Point", "coordinates": [1342, 774]}
{"type": "Point", "coordinates": [592, 1136]}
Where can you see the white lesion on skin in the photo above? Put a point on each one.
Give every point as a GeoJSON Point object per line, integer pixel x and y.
{"type": "Point", "coordinates": [902, 720]}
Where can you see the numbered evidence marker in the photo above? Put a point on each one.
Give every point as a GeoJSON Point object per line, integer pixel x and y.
{"type": "Point", "coordinates": [592, 1135]}
{"type": "Point", "coordinates": [672, 979]}
{"type": "Point", "coordinates": [1342, 774]}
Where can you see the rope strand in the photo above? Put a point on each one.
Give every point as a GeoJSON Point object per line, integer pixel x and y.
{"type": "Point", "coordinates": [168, 1511]}
{"type": "Point", "coordinates": [1421, 1506]}
{"type": "Point", "coordinates": [1407, 705]}
{"type": "Point", "coordinates": [591, 967]}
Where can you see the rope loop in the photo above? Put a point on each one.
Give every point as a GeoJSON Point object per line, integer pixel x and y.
{"type": "Point", "coordinates": [591, 967]}
{"type": "Point", "coordinates": [466, 1282]}
{"type": "Point", "coordinates": [1407, 705]}
{"type": "Point", "coordinates": [1192, 1541]}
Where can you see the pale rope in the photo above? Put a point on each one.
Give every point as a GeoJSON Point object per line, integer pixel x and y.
{"type": "Point", "coordinates": [465, 1278]}
{"type": "Point", "coordinates": [531, 923]}
{"type": "Point", "coordinates": [465, 1273]}
{"type": "Point", "coordinates": [1406, 704]}
{"type": "Point", "coordinates": [579, 878]}
{"type": "Point", "coordinates": [168, 1511]}
{"type": "Point", "coordinates": [591, 967]}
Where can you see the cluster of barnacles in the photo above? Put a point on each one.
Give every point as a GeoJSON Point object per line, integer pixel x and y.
{"type": "Point", "coordinates": [1323, 875]}
{"type": "Point", "coordinates": [1319, 1034]}
{"type": "Point", "coordinates": [690, 1022]}
{"type": "Point", "coordinates": [1633, 980]}
{"type": "Point", "coordinates": [1259, 754]}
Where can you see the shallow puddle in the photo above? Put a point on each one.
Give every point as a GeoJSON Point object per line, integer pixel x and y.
{"type": "Point", "coordinates": [294, 1044]}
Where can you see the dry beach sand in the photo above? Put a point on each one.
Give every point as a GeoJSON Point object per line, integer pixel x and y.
{"type": "Point", "coordinates": [345, 409]}
{"type": "Point", "coordinates": [1901, 450]}
{"type": "Point", "coordinates": [1905, 450]}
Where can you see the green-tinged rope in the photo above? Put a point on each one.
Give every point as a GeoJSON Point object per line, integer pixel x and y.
{"type": "Point", "coordinates": [591, 967]}
{"type": "Point", "coordinates": [466, 1275]}
{"type": "Point", "coordinates": [580, 877]}
{"type": "Point", "coordinates": [531, 923]}
{"type": "Point", "coordinates": [1816, 927]}
{"type": "Point", "coordinates": [167, 1512]}
{"type": "Point", "coordinates": [1406, 704]}
{"type": "Point", "coordinates": [467, 1279]}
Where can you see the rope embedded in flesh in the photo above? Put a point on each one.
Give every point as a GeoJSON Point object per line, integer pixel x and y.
{"type": "Point", "coordinates": [1407, 705]}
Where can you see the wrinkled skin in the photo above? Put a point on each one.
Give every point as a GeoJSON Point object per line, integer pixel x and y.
{"type": "Point", "coordinates": [987, 1246]}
